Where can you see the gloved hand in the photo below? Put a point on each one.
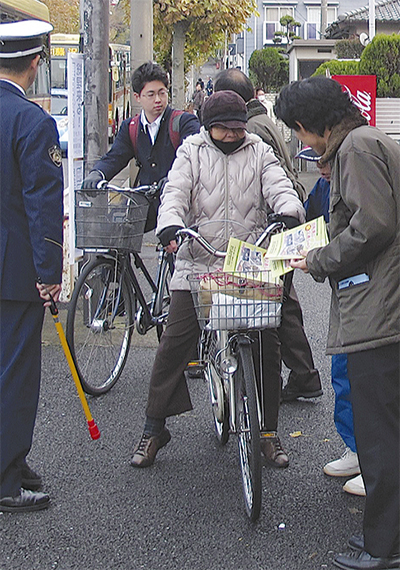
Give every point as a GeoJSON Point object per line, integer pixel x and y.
{"type": "Point", "coordinates": [289, 221]}
{"type": "Point", "coordinates": [91, 181]}
{"type": "Point", "coordinates": [168, 234]}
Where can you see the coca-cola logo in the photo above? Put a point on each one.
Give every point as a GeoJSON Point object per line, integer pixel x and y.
{"type": "Point", "coordinates": [362, 100]}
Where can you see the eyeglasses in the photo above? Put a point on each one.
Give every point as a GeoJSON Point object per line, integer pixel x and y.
{"type": "Point", "coordinates": [224, 130]}
{"type": "Point", "coordinates": [153, 94]}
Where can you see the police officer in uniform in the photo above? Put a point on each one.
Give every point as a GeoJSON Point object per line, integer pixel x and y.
{"type": "Point", "coordinates": [31, 187]}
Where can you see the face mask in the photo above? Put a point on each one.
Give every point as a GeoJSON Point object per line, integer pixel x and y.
{"type": "Point", "coordinates": [261, 98]}
{"type": "Point", "coordinates": [228, 147]}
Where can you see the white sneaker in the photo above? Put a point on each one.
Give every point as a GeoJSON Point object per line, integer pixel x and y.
{"type": "Point", "coordinates": [355, 486]}
{"type": "Point", "coordinates": [346, 466]}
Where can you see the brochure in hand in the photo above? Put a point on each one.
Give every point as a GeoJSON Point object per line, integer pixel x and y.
{"type": "Point", "coordinates": [298, 241]}
{"type": "Point", "coordinates": [291, 244]}
{"type": "Point", "coordinates": [243, 258]}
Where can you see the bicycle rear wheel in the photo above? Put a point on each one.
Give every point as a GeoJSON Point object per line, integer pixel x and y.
{"type": "Point", "coordinates": [248, 430]}
{"type": "Point", "coordinates": [100, 324]}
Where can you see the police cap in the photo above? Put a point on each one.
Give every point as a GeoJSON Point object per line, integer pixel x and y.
{"type": "Point", "coordinates": [18, 39]}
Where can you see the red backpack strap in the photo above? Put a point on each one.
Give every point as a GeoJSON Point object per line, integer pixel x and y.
{"type": "Point", "coordinates": [134, 132]}
{"type": "Point", "coordinates": [174, 134]}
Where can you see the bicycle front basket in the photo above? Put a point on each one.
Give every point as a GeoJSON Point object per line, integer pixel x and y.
{"type": "Point", "coordinates": [110, 220]}
{"type": "Point", "coordinates": [230, 301]}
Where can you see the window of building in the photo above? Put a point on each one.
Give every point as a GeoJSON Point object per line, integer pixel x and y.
{"type": "Point", "coordinates": [272, 16]}
{"type": "Point", "coordinates": [313, 25]}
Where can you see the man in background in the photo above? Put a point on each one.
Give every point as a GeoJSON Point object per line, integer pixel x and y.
{"type": "Point", "coordinates": [151, 137]}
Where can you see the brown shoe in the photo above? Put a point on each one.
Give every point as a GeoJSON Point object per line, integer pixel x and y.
{"type": "Point", "coordinates": [272, 448]}
{"type": "Point", "coordinates": [146, 450]}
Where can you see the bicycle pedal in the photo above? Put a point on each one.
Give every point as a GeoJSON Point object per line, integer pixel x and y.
{"type": "Point", "coordinates": [195, 369]}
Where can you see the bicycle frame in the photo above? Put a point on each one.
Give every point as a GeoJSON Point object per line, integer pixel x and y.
{"type": "Point", "coordinates": [228, 367]}
{"type": "Point", "coordinates": [150, 315]}
{"type": "Point", "coordinates": [228, 370]}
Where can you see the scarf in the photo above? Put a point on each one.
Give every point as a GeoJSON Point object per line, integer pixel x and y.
{"type": "Point", "coordinates": [339, 132]}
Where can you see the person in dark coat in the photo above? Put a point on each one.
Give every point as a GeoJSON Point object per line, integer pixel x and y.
{"type": "Point", "coordinates": [152, 146]}
{"type": "Point", "coordinates": [31, 189]}
{"type": "Point", "coordinates": [317, 204]}
{"type": "Point", "coordinates": [199, 98]}
{"type": "Point", "coordinates": [361, 262]}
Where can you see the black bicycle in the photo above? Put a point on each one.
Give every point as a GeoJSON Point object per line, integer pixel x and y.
{"type": "Point", "coordinates": [108, 300]}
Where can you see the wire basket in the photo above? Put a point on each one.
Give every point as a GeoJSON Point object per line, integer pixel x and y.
{"type": "Point", "coordinates": [110, 220]}
{"type": "Point", "coordinates": [230, 301]}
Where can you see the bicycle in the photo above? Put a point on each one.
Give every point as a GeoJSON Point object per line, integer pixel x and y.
{"type": "Point", "coordinates": [108, 301]}
{"type": "Point", "coordinates": [229, 307]}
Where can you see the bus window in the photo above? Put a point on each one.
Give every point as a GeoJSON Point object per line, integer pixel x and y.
{"type": "Point", "coordinates": [59, 73]}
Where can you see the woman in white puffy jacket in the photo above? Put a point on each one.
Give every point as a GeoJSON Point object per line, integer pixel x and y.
{"type": "Point", "coordinates": [225, 178]}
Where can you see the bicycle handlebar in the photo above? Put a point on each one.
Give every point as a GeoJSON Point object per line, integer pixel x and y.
{"type": "Point", "coordinates": [193, 233]}
{"type": "Point", "coordinates": [148, 190]}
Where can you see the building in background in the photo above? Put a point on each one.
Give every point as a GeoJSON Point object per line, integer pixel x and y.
{"type": "Point", "coordinates": [306, 12]}
{"type": "Point", "coordinates": [355, 22]}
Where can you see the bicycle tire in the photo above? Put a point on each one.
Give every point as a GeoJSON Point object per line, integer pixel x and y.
{"type": "Point", "coordinates": [163, 296]}
{"type": "Point", "coordinates": [100, 347]}
{"type": "Point", "coordinates": [218, 397]}
{"type": "Point", "coordinates": [248, 431]}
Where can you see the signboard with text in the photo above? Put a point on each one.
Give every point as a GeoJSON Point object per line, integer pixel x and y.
{"type": "Point", "coordinates": [362, 91]}
{"type": "Point", "coordinates": [75, 141]}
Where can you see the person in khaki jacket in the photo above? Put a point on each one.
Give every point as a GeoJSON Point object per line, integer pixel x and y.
{"type": "Point", "coordinates": [225, 177]}
{"type": "Point", "coordinates": [362, 264]}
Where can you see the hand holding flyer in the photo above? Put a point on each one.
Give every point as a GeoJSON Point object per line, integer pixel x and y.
{"type": "Point", "coordinates": [244, 257]}
{"type": "Point", "coordinates": [298, 241]}
{"type": "Point", "coordinates": [295, 243]}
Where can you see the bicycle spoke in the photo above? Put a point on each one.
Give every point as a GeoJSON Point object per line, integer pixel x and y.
{"type": "Point", "coordinates": [248, 431]}
{"type": "Point", "coordinates": [100, 324]}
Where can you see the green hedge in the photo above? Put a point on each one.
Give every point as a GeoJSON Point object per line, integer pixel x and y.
{"type": "Point", "coordinates": [381, 57]}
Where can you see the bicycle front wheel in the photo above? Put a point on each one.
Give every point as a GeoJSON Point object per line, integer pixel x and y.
{"type": "Point", "coordinates": [212, 372]}
{"type": "Point", "coordinates": [163, 295]}
{"type": "Point", "coordinates": [100, 324]}
{"type": "Point", "coordinates": [248, 431]}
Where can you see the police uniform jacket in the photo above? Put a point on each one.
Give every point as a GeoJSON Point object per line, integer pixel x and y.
{"type": "Point", "coordinates": [31, 187]}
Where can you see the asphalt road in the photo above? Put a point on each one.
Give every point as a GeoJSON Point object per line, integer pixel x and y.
{"type": "Point", "coordinates": [186, 512]}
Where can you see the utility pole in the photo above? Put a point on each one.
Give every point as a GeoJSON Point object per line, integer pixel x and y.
{"type": "Point", "coordinates": [95, 37]}
{"type": "Point", "coordinates": [324, 17]}
{"type": "Point", "coordinates": [178, 72]}
{"type": "Point", "coordinates": [141, 38]}
{"type": "Point", "coordinates": [141, 51]}
{"type": "Point", "coordinates": [371, 17]}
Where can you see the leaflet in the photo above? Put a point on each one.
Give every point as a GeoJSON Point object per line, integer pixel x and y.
{"type": "Point", "coordinates": [268, 265]}
{"type": "Point", "coordinates": [244, 258]}
{"type": "Point", "coordinates": [298, 241]}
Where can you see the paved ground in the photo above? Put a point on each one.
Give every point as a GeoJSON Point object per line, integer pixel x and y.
{"type": "Point", "coordinates": [186, 512]}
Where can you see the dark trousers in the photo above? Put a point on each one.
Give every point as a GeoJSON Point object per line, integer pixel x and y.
{"type": "Point", "coordinates": [168, 392]}
{"type": "Point", "coordinates": [295, 348]}
{"type": "Point", "coordinates": [375, 377]}
{"type": "Point", "coordinates": [20, 358]}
